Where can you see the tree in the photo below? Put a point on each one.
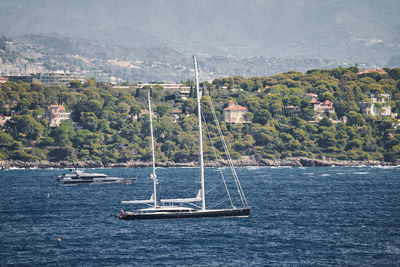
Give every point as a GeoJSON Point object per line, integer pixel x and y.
{"type": "Point", "coordinates": [141, 92]}
{"type": "Point", "coordinates": [395, 74]}
{"type": "Point", "coordinates": [24, 126]}
{"type": "Point", "coordinates": [23, 155]}
{"type": "Point", "coordinates": [354, 144]}
{"type": "Point", "coordinates": [62, 153]}
{"type": "Point", "coordinates": [262, 117]}
{"type": "Point", "coordinates": [162, 110]}
{"type": "Point", "coordinates": [86, 106]}
{"type": "Point", "coordinates": [89, 120]}
{"type": "Point", "coordinates": [63, 134]}
{"type": "Point", "coordinates": [327, 139]}
{"type": "Point", "coordinates": [5, 139]}
{"type": "Point", "coordinates": [189, 106]}
{"type": "Point", "coordinates": [91, 82]}
{"type": "Point", "coordinates": [248, 116]}
{"type": "Point", "coordinates": [23, 106]}
{"type": "Point", "coordinates": [75, 84]}
{"type": "Point", "coordinates": [36, 87]}
{"type": "Point", "coordinates": [355, 118]}
{"type": "Point", "coordinates": [343, 108]}
{"type": "Point", "coordinates": [327, 96]}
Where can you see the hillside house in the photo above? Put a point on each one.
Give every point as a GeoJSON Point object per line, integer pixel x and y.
{"type": "Point", "coordinates": [4, 119]}
{"type": "Point", "coordinates": [234, 113]}
{"type": "Point", "coordinates": [182, 93]}
{"type": "Point", "coordinates": [322, 109]}
{"type": "Point", "coordinates": [3, 80]}
{"type": "Point", "coordinates": [377, 106]}
{"type": "Point", "coordinates": [176, 114]}
{"type": "Point", "coordinates": [380, 71]}
{"type": "Point", "coordinates": [143, 112]}
{"type": "Point", "coordinates": [56, 114]}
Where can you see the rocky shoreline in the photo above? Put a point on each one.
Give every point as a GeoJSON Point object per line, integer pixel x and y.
{"type": "Point", "coordinates": [245, 162]}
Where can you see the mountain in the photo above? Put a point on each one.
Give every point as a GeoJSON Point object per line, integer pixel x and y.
{"type": "Point", "coordinates": [32, 53]}
{"type": "Point", "coordinates": [153, 40]}
{"type": "Point", "coordinates": [344, 30]}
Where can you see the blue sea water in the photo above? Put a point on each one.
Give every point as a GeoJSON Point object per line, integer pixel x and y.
{"type": "Point", "coordinates": [300, 216]}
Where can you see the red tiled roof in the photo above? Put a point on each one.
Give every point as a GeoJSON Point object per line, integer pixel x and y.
{"type": "Point", "coordinates": [60, 107]}
{"type": "Point", "coordinates": [145, 112]}
{"type": "Point", "coordinates": [380, 71]}
{"type": "Point", "coordinates": [327, 103]}
{"type": "Point", "coordinates": [314, 101]}
{"type": "Point", "coordinates": [237, 107]}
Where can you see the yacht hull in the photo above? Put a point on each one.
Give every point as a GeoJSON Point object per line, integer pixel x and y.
{"type": "Point", "coordinates": [238, 212]}
{"type": "Point", "coordinates": [96, 181]}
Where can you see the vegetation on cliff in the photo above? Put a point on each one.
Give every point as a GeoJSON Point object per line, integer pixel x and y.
{"type": "Point", "coordinates": [104, 127]}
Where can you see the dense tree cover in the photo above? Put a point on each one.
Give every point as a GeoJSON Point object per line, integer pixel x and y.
{"type": "Point", "coordinates": [104, 127]}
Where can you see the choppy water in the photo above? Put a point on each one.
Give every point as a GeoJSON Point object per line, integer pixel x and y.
{"type": "Point", "coordinates": [300, 216]}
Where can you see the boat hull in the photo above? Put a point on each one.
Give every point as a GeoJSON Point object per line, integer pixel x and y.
{"type": "Point", "coordinates": [238, 212]}
{"type": "Point", "coordinates": [96, 181]}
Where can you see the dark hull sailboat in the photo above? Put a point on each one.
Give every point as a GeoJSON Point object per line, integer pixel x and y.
{"type": "Point", "coordinates": [238, 212]}
{"type": "Point", "coordinates": [172, 211]}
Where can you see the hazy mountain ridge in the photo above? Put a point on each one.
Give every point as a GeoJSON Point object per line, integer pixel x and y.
{"type": "Point", "coordinates": [333, 29]}
{"type": "Point", "coordinates": [51, 52]}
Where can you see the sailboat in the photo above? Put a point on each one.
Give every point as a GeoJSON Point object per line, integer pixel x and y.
{"type": "Point", "coordinates": [176, 208]}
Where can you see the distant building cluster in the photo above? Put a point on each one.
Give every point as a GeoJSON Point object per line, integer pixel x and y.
{"type": "Point", "coordinates": [47, 78]}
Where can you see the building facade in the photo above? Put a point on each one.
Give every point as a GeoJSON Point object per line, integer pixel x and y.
{"type": "Point", "coordinates": [48, 78]}
{"type": "Point", "coordinates": [56, 114]}
{"type": "Point", "coordinates": [182, 93]}
{"type": "Point", "coordinates": [3, 80]}
{"type": "Point", "coordinates": [25, 79]}
{"type": "Point", "coordinates": [322, 109]}
{"type": "Point", "coordinates": [378, 106]}
{"type": "Point", "coordinates": [234, 113]}
{"type": "Point", "coordinates": [58, 78]}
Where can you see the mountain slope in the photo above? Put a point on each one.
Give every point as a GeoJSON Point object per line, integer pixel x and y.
{"type": "Point", "coordinates": [353, 31]}
{"type": "Point", "coordinates": [32, 53]}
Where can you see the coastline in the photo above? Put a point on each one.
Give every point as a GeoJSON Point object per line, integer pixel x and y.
{"type": "Point", "coordinates": [244, 162]}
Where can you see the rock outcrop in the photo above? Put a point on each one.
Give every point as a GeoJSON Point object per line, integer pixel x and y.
{"type": "Point", "coordinates": [245, 161]}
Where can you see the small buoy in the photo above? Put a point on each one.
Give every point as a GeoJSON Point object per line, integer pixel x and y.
{"type": "Point", "coordinates": [58, 239]}
{"type": "Point", "coordinates": [48, 195]}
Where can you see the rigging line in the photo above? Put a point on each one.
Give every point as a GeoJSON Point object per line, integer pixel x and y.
{"type": "Point", "coordinates": [236, 179]}
{"type": "Point", "coordinates": [239, 187]}
{"type": "Point", "coordinates": [194, 205]}
{"type": "Point", "coordinates": [218, 163]}
{"type": "Point", "coordinates": [218, 202]}
{"type": "Point", "coordinates": [215, 187]}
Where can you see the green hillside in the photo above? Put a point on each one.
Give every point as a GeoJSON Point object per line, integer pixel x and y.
{"type": "Point", "coordinates": [282, 121]}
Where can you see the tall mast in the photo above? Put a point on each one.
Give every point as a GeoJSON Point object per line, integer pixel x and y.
{"type": "Point", "coordinates": [203, 195]}
{"type": "Point", "coordinates": [153, 175]}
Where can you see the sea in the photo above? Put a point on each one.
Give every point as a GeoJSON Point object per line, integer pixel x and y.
{"type": "Point", "coordinates": [323, 216]}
